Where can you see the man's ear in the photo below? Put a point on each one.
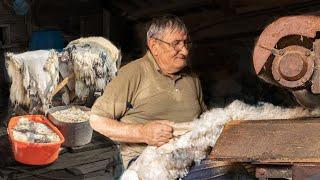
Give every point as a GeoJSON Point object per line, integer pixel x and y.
{"type": "Point", "coordinates": [153, 46]}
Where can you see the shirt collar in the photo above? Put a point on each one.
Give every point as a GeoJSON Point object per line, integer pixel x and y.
{"type": "Point", "coordinates": [155, 65]}
{"type": "Point", "coordinates": [153, 61]}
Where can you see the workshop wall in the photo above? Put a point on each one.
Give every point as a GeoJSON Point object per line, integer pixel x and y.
{"type": "Point", "coordinates": [223, 35]}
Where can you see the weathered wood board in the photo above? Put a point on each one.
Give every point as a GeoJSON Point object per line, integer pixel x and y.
{"type": "Point", "coordinates": [270, 141]}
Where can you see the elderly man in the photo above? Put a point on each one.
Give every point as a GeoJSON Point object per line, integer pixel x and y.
{"type": "Point", "coordinates": [150, 94]}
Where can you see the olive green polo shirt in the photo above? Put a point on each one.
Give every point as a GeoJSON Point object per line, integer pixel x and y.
{"type": "Point", "coordinates": [141, 93]}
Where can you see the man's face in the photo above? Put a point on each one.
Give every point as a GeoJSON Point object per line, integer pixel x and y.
{"type": "Point", "coordinates": [170, 59]}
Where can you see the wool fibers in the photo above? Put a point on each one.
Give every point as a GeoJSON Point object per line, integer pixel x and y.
{"type": "Point", "coordinates": [93, 60]}
{"type": "Point", "coordinates": [34, 75]}
{"type": "Point", "coordinates": [173, 160]}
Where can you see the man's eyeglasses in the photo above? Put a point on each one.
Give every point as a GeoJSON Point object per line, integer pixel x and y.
{"type": "Point", "coordinates": [177, 44]}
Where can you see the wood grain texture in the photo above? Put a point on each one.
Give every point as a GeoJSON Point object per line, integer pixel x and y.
{"type": "Point", "coordinates": [270, 141]}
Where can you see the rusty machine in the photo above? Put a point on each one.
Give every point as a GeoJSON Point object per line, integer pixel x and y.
{"type": "Point", "coordinates": [287, 54]}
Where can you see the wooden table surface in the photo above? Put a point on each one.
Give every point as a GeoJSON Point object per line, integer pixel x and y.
{"type": "Point", "coordinates": [98, 159]}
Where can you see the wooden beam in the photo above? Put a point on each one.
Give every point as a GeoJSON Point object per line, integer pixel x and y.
{"type": "Point", "coordinates": [146, 2]}
{"type": "Point", "coordinates": [227, 7]}
{"type": "Point", "coordinates": [248, 22]}
{"type": "Point", "coordinates": [234, 28]}
{"type": "Point", "coordinates": [126, 6]}
{"type": "Point", "coordinates": [106, 23]}
{"type": "Point", "coordinates": [140, 3]}
{"type": "Point", "coordinates": [243, 6]}
{"type": "Point", "coordinates": [64, 82]}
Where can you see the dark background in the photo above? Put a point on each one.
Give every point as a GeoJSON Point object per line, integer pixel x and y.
{"type": "Point", "coordinates": [223, 34]}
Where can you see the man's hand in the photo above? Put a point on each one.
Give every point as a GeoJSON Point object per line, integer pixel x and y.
{"type": "Point", "coordinates": [157, 132]}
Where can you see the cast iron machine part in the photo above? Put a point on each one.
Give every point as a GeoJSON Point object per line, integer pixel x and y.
{"type": "Point", "coordinates": [295, 66]}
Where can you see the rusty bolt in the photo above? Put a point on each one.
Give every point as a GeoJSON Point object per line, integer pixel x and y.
{"type": "Point", "coordinates": [277, 78]}
{"type": "Point", "coordinates": [274, 51]}
{"type": "Point", "coordinates": [307, 53]}
{"type": "Point", "coordinates": [305, 80]}
{"type": "Point", "coordinates": [281, 52]}
{"type": "Point", "coordinates": [261, 172]}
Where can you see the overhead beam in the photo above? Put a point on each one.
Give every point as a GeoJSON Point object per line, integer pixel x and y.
{"type": "Point", "coordinates": [167, 8]}
{"type": "Point", "coordinates": [297, 8]}
{"type": "Point", "coordinates": [227, 7]}
{"type": "Point", "coordinates": [249, 5]}
{"type": "Point", "coordinates": [127, 6]}
{"type": "Point", "coordinates": [142, 3]}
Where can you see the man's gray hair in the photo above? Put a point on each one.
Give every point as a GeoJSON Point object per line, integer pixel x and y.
{"type": "Point", "coordinates": [159, 25]}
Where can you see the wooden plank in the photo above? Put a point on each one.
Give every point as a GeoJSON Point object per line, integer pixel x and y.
{"type": "Point", "coordinates": [270, 141]}
{"type": "Point", "coordinates": [215, 26]}
{"type": "Point", "coordinates": [64, 82]}
{"type": "Point", "coordinates": [106, 21]}
{"type": "Point", "coordinates": [244, 6]}
{"type": "Point", "coordinates": [143, 3]}
{"type": "Point", "coordinates": [124, 6]}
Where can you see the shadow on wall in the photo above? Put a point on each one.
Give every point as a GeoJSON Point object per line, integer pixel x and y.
{"type": "Point", "coordinates": [227, 73]}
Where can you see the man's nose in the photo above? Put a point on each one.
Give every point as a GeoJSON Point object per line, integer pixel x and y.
{"type": "Point", "coordinates": [184, 50]}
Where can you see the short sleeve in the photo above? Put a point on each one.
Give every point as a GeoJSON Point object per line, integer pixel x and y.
{"type": "Point", "coordinates": [118, 93]}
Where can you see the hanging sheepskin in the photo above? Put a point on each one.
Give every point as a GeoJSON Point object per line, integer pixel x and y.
{"type": "Point", "coordinates": [93, 60]}
{"type": "Point", "coordinates": [172, 160]}
{"type": "Point", "coordinates": [34, 76]}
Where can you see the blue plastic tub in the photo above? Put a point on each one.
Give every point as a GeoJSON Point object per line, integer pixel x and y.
{"type": "Point", "coordinates": [46, 39]}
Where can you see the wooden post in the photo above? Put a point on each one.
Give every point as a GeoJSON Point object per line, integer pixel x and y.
{"type": "Point", "coordinates": [106, 24]}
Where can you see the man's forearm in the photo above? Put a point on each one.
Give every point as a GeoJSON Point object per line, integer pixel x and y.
{"type": "Point", "coordinates": [117, 131]}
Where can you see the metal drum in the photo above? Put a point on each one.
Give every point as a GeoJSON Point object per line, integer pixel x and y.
{"type": "Point", "coordinates": [75, 133]}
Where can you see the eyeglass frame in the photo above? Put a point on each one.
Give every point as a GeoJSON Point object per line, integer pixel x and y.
{"type": "Point", "coordinates": [186, 43]}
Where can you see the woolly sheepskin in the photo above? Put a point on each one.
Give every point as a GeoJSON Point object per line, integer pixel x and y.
{"type": "Point", "coordinates": [107, 45]}
{"type": "Point", "coordinates": [94, 61]}
{"type": "Point", "coordinates": [172, 160]}
{"type": "Point", "coordinates": [34, 76]}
